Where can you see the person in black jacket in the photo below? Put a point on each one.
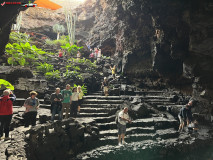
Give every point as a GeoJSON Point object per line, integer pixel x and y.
{"type": "Point", "coordinates": [189, 112]}
{"type": "Point", "coordinates": [56, 105]}
{"type": "Point", "coordinates": [183, 116]}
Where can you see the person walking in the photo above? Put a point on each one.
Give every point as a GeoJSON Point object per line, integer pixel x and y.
{"type": "Point", "coordinates": [183, 116]}
{"type": "Point", "coordinates": [91, 56]}
{"type": "Point", "coordinates": [189, 112]}
{"type": "Point", "coordinates": [74, 103]}
{"type": "Point", "coordinates": [105, 85]}
{"type": "Point", "coordinates": [113, 71]}
{"type": "Point", "coordinates": [56, 105]}
{"type": "Point", "coordinates": [81, 94]}
{"type": "Point", "coordinates": [123, 118]}
{"type": "Point", "coordinates": [78, 55]}
{"type": "Point", "coordinates": [6, 113]}
{"type": "Point", "coordinates": [99, 56]}
{"type": "Point", "coordinates": [32, 105]}
{"type": "Point", "coordinates": [67, 98]}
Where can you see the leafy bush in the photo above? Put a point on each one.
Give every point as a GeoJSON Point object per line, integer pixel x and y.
{"type": "Point", "coordinates": [45, 67]}
{"type": "Point", "coordinates": [60, 42]}
{"type": "Point", "coordinates": [16, 37]}
{"type": "Point", "coordinates": [22, 53]}
{"type": "Point", "coordinates": [72, 75]}
{"type": "Point", "coordinates": [53, 75]}
{"type": "Point", "coordinates": [83, 88]}
{"type": "Point", "coordinates": [6, 84]}
{"type": "Point", "coordinates": [83, 61]}
{"type": "Point", "coordinates": [71, 49]}
{"type": "Point", "coordinates": [49, 42]}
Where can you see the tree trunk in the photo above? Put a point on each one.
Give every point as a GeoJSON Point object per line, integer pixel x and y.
{"type": "Point", "coordinates": [58, 36]}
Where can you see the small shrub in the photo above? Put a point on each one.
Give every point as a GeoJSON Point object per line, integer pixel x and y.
{"type": "Point", "coordinates": [45, 67]}
{"type": "Point", "coordinates": [71, 49]}
{"type": "Point", "coordinates": [16, 37]}
{"type": "Point", "coordinates": [72, 75]}
{"type": "Point", "coordinates": [53, 75]}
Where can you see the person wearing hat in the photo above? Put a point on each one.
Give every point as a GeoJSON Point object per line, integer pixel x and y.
{"type": "Point", "coordinates": [32, 105]}
{"type": "Point", "coordinates": [105, 85]}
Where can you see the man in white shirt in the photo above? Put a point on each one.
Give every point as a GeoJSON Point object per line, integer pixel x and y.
{"type": "Point", "coordinates": [123, 118]}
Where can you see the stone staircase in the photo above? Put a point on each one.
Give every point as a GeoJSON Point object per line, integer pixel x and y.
{"type": "Point", "coordinates": [158, 126]}
{"type": "Point", "coordinates": [102, 109]}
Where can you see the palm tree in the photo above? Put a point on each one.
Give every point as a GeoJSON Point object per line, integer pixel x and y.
{"type": "Point", "coordinates": [57, 28]}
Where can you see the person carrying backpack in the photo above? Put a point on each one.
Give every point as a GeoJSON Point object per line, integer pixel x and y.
{"type": "Point", "coordinates": [6, 113]}
{"type": "Point", "coordinates": [183, 116]}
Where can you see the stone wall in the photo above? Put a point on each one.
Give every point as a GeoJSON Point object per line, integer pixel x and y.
{"type": "Point", "coordinates": [164, 42]}
{"type": "Point", "coordinates": [8, 14]}
{"type": "Point", "coordinates": [59, 140]}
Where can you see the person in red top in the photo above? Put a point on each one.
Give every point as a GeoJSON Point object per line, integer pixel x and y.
{"type": "Point", "coordinates": [60, 54]}
{"type": "Point", "coordinates": [6, 113]}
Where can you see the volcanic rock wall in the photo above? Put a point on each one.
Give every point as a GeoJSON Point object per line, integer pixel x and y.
{"type": "Point", "coordinates": [169, 40]}
{"type": "Point", "coordinates": [8, 15]}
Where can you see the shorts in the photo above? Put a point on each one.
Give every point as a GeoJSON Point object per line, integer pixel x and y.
{"type": "Point", "coordinates": [121, 129]}
{"type": "Point", "coordinates": [105, 89]}
{"type": "Point", "coordinates": [181, 119]}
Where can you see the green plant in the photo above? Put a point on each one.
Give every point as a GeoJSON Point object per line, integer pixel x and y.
{"type": "Point", "coordinates": [76, 68]}
{"type": "Point", "coordinates": [17, 37]}
{"type": "Point", "coordinates": [59, 43]}
{"type": "Point", "coordinates": [49, 42]}
{"type": "Point", "coordinates": [83, 88]}
{"type": "Point", "coordinates": [23, 53]}
{"type": "Point", "coordinates": [53, 75]}
{"type": "Point", "coordinates": [72, 75]}
{"type": "Point", "coordinates": [6, 84]}
{"type": "Point", "coordinates": [45, 67]}
{"type": "Point", "coordinates": [71, 49]}
{"type": "Point", "coordinates": [57, 28]}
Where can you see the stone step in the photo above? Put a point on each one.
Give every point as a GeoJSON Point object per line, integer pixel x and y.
{"type": "Point", "coordinates": [105, 98]}
{"type": "Point", "coordinates": [156, 100]}
{"type": "Point", "coordinates": [161, 103]}
{"type": "Point", "coordinates": [165, 134]}
{"type": "Point", "coordinates": [100, 105]}
{"type": "Point", "coordinates": [125, 97]}
{"type": "Point", "coordinates": [47, 106]}
{"type": "Point", "coordinates": [105, 119]}
{"type": "Point", "coordinates": [95, 101]}
{"type": "Point", "coordinates": [156, 122]}
{"type": "Point", "coordinates": [150, 92]}
{"type": "Point", "coordinates": [98, 110]}
{"type": "Point", "coordinates": [131, 130]}
{"type": "Point", "coordinates": [97, 94]}
{"type": "Point", "coordinates": [93, 114]}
